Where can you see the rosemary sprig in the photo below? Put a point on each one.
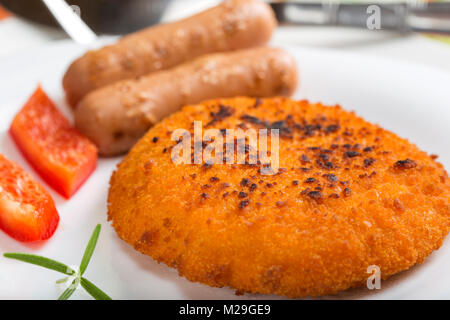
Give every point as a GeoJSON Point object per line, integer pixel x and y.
{"type": "Point", "coordinates": [92, 289]}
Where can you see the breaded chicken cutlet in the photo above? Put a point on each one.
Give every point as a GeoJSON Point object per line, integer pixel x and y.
{"type": "Point", "coordinates": [347, 195]}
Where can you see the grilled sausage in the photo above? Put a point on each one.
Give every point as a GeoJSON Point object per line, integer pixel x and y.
{"type": "Point", "coordinates": [116, 116]}
{"type": "Point", "coordinates": [232, 25]}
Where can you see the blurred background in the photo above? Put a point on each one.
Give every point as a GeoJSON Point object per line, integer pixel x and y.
{"type": "Point", "coordinates": [25, 24]}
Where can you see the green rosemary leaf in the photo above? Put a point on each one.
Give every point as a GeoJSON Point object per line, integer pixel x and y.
{"type": "Point", "coordinates": [41, 261]}
{"type": "Point", "coordinates": [59, 281]}
{"type": "Point", "coordinates": [90, 249]}
{"type": "Point", "coordinates": [93, 290]}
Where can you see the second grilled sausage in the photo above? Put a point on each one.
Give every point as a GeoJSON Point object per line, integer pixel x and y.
{"type": "Point", "coordinates": [116, 116]}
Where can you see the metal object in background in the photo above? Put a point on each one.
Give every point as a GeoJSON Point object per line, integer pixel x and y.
{"type": "Point", "coordinates": [406, 17]}
{"type": "Point", "coordinates": [70, 21]}
{"type": "Point", "coordinates": [125, 16]}
{"type": "Point", "coordinates": [102, 16]}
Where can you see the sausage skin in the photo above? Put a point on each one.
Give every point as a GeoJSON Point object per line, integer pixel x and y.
{"type": "Point", "coordinates": [232, 25]}
{"type": "Point", "coordinates": [116, 116]}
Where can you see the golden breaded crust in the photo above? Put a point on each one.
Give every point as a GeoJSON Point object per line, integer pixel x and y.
{"type": "Point", "coordinates": [349, 194]}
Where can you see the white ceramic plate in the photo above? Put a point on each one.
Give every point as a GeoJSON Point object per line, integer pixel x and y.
{"type": "Point", "coordinates": [410, 100]}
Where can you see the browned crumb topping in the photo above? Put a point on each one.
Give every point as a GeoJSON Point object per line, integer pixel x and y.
{"type": "Point", "coordinates": [242, 195]}
{"type": "Point", "coordinates": [243, 204]}
{"type": "Point", "coordinates": [347, 192]}
{"type": "Point", "coordinates": [405, 164]}
{"type": "Point", "coordinates": [224, 112]}
{"type": "Point", "coordinates": [316, 195]}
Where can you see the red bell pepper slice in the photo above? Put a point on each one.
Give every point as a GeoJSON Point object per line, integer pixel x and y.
{"type": "Point", "coordinates": [57, 151]}
{"type": "Point", "coordinates": [27, 211]}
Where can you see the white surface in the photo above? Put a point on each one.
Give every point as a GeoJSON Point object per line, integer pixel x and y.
{"type": "Point", "coordinates": [411, 100]}
{"type": "Point", "coordinates": [18, 34]}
